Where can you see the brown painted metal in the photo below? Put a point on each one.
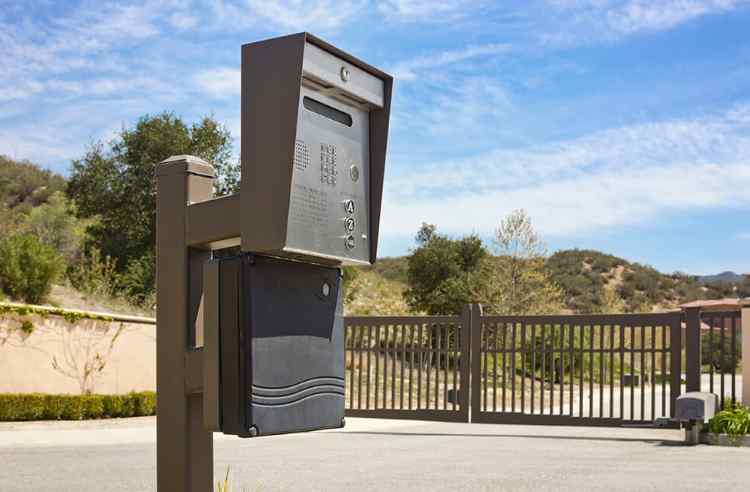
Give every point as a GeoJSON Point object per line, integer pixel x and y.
{"type": "Point", "coordinates": [184, 447]}
{"type": "Point", "coordinates": [273, 69]}
{"type": "Point", "coordinates": [591, 361]}
{"type": "Point", "coordinates": [464, 336]}
{"type": "Point", "coordinates": [210, 352]}
{"type": "Point", "coordinates": [721, 321]}
{"type": "Point", "coordinates": [693, 350]}
{"type": "Point", "coordinates": [675, 366]}
{"type": "Point", "coordinates": [214, 223]}
{"type": "Point", "coordinates": [402, 345]}
{"type": "Point", "coordinates": [479, 342]}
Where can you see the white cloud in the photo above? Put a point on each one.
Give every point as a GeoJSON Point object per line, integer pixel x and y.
{"type": "Point", "coordinates": [624, 176]}
{"type": "Point", "coordinates": [183, 21]}
{"type": "Point", "coordinates": [641, 15]}
{"type": "Point", "coordinates": [20, 90]}
{"type": "Point", "coordinates": [220, 82]}
{"type": "Point", "coordinates": [297, 15]}
{"type": "Point", "coordinates": [69, 86]}
{"type": "Point", "coordinates": [465, 110]}
{"type": "Point", "coordinates": [436, 10]}
{"type": "Point", "coordinates": [588, 20]}
{"type": "Point", "coordinates": [408, 70]}
{"type": "Point", "coordinates": [75, 41]}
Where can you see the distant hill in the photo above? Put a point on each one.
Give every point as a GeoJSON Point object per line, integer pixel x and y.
{"type": "Point", "coordinates": [585, 274]}
{"type": "Point", "coordinates": [24, 185]}
{"type": "Point", "coordinates": [730, 277]}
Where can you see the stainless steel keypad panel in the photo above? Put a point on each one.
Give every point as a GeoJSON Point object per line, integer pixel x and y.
{"type": "Point", "coordinates": [329, 196]}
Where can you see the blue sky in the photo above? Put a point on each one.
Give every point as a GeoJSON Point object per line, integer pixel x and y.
{"type": "Point", "coordinates": [622, 126]}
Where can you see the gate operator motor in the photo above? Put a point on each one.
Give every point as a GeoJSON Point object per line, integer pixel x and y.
{"type": "Point", "coordinates": [314, 135]}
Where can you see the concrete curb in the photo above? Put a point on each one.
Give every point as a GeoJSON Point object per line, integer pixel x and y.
{"type": "Point", "coordinates": [724, 440]}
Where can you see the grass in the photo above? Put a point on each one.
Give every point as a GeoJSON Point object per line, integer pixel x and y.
{"type": "Point", "coordinates": [373, 294]}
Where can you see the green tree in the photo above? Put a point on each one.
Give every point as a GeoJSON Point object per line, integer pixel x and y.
{"type": "Point", "coordinates": [443, 273]}
{"type": "Point", "coordinates": [517, 281]}
{"type": "Point", "coordinates": [27, 267]}
{"type": "Point", "coordinates": [116, 184]}
{"type": "Point", "coordinates": [56, 225]}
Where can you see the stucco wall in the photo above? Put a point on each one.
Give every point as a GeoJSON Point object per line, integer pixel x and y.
{"type": "Point", "coordinates": [26, 360]}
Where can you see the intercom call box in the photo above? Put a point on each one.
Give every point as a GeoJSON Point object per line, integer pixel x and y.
{"type": "Point", "coordinates": [314, 134]}
{"type": "Point", "coordinates": [314, 131]}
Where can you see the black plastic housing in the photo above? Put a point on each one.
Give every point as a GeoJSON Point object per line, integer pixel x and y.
{"type": "Point", "coordinates": [281, 346]}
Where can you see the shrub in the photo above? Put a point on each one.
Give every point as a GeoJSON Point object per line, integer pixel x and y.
{"type": "Point", "coordinates": [27, 267]}
{"type": "Point", "coordinates": [139, 279]}
{"type": "Point", "coordinates": [733, 421]}
{"type": "Point", "coordinates": [56, 225]}
{"type": "Point", "coordinates": [35, 406]}
{"type": "Point", "coordinates": [143, 404]}
{"type": "Point", "coordinates": [711, 351]}
{"type": "Point", "coordinates": [113, 404]}
{"type": "Point", "coordinates": [54, 406]}
{"type": "Point", "coordinates": [94, 274]}
{"type": "Point", "coordinates": [21, 407]}
{"type": "Point", "coordinates": [72, 408]}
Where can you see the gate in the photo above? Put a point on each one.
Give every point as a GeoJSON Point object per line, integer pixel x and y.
{"type": "Point", "coordinates": [408, 367]}
{"type": "Point", "coordinates": [720, 340]}
{"type": "Point", "coordinates": [602, 370]}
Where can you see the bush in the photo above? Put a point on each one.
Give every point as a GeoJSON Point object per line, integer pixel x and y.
{"type": "Point", "coordinates": [36, 406]}
{"type": "Point", "coordinates": [143, 404]}
{"type": "Point", "coordinates": [94, 273]}
{"type": "Point", "coordinates": [711, 351]}
{"type": "Point", "coordinates": [56, 225]}
{"type": "Point", "coordinates": [138, 281]}
{"type": "Point", "coordinates": [113, 404]}
{"type": "Point", "coordinates": [735, 422]}
{"type": "Point", "coordinates": [27, 267]}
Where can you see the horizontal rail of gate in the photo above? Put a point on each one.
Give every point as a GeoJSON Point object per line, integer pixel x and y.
{"type": "Point", "coordinates": [608, 370]}
{"type": "Point", "coordinates": [408, 367]}
{"type": "Point", "coordinates": [721, 353]}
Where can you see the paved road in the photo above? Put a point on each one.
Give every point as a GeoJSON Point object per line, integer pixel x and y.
{"type": "Point", "coordinates": [378, 455]}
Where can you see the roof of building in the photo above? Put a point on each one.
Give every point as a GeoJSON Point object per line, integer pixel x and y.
{"type": "Point", "coordinates": [714, 304]}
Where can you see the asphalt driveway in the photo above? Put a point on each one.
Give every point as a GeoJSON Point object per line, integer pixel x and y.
{"type": "Point", "coordinates": [374, 454]}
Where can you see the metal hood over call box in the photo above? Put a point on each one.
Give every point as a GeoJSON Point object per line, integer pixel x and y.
{"type": "Point", "coordinates": [314, 136]}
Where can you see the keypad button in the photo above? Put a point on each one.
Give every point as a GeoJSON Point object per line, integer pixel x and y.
{"type": "Point", "coordinates": [350, 242]}
{"type": "Point", "coordinates": [350, 224]}
{"type": "Point", "coordinates": [349, 206]}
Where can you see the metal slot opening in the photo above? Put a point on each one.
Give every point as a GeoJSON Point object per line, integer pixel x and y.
{"type": "Point", "coordinates": [327, 111]}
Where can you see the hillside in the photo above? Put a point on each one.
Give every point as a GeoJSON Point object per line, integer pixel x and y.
{"type": "Point", "coordinates": [373, 293]}
{"type": "Point", "coordinates": [584, 275]}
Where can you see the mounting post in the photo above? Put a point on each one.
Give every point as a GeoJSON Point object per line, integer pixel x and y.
{"type": "Point", "coordinates": [184, 448]}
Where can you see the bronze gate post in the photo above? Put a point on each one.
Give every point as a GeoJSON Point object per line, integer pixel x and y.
{"type": "Point", "coordinates": [184, 448]}
{"type": "Point", "coordinates": [475, 340]}
{"type": "Point", "coordinates": [746, 352]}
{"type": "Point", "coordinates": [693, 349]}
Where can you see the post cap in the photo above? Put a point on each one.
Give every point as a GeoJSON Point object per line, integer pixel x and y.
{"type": "Point", "coordinates": [185, 164]}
